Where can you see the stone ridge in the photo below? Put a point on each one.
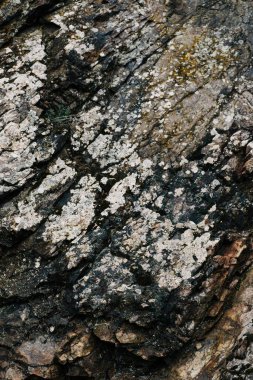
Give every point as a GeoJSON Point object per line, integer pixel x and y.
{"type": "Point", "coordinates": [126, 161]}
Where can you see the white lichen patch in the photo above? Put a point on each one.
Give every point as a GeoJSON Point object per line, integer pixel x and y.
{"type": "Point", "coordinates": [29, 212]}
{"type": "Point", "coordinates": [112, 273]}
{"type": "Point", "coordinates": [116, 196]}
{"type": "Point", "coordinates": [85, 127]}
{"type": "Point", "coordinates": [78, 251]}
{"type": "Point", "coordinates": [78, 46]}
{"type": "Point", "coordinates": [186, 254]}
{"type": "Point", "coordinates": [64, 17]}
{"type": "Point", "coordinates": [75, 216]}
{"type": "Point", "coordinates": [34, 48]}
{"type": "Point", "coordinates": [106, 151]}
{"type": "Point", "coordinates": [20, 87]}
{"type": "Point", "coordinates": [179, 191]}
{"type": "Point", "coordinates": [170, 260]}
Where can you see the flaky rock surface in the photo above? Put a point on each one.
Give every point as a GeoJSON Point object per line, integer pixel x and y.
{"type": "Point", "coordinates": [126, 173]}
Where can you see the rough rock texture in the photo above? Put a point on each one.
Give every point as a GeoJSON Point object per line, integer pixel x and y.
{"type": "Point", "coordinates": [126, 173]}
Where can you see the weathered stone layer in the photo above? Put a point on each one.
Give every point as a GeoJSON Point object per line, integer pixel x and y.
{"type": "Point", "coordinates": [126, 160]}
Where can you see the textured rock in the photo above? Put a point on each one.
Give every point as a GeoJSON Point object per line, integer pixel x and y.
{"type": "Point", "coordinates": [126, 156]}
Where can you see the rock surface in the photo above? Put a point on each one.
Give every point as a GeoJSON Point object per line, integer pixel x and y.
{"type": "Point", "coordinates": [126, 173]}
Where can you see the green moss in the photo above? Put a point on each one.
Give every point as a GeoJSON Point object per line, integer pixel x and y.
{"type": "Point", "coordinates": [59, 114]}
